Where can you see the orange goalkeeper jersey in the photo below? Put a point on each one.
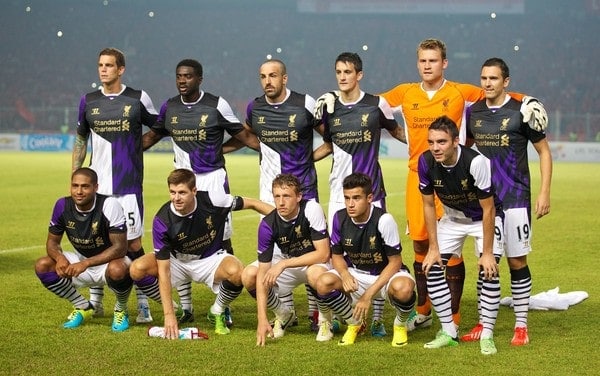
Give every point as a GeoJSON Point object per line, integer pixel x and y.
{"type": "Point", "coordinates": [418, 111]}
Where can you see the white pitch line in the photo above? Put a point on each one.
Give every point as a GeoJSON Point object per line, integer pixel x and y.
{"type": "Point", "coordinates": [20, 249]}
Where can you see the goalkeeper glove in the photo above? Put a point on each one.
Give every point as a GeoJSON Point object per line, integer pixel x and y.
{"type": "Point", "coordinates": [325, 100]}
{"type": "Point", "coordinates": [534, 114]}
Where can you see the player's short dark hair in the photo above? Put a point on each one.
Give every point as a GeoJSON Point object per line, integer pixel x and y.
{"type": "Point", "coordinates": [286, 180]}
{"type": "Point", "coordinates": [182, 176]}
{"type": "Point", "coordinates": [118, 54]}
{"type": "Point", "coordinates": [277, 61]}
{"type": "Point", "coordinates": [445, 124]}
{"type": "Point", "coordinates": [86, 171]}
{"type": "Point", "coordinates": [497, 62]}
{"type": "Point", "coordinates": [432, 44]}
{"type": "Point", "coordinates": [358, 180]}
{"type": "Point", "coordinates": [194, 64]}
{"type": "Point", "coordinates": [350, 57]}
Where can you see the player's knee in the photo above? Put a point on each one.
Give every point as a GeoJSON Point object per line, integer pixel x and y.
{"type": "Point", "coordinates": [138, 270]}
{"type": "Point", "coordinates": [45, 264]}
{"type": "Point", "coordinates": [313, 273]}
{"type": "Point", "coordinates": [249, 277]}
{"type": "Point", "coordinates": [401, 288]}
{"type": "Point", "coordinates": [231, 268]}
{"type": "Point", "coordinates": [516, 263]}
{"type": "Point", "coordinates": [117, 270]}
{"type": "Point", "coordinates": [325, 283]}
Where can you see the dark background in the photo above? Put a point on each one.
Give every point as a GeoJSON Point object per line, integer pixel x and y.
{"type": "Point", "coordinates": [44, 75]}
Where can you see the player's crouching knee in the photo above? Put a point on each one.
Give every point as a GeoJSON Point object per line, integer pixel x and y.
{"type": "Point", "coordinates": [401, 289]}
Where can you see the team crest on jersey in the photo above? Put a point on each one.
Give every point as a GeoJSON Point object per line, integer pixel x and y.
{"type": "Point", "coordinates": [478, 123]}
{"type": "Point", "coordinates": [372, 242]}
{"type": "Point", "coordinates": [337, 122]}
{"type": "Point", "coordinates": [298, 231]}
{"type": "Point", "coordinates": [364, 120]}
{"type": "Point", "coordinates": [293, 136]}
{"type": "Point", "coordinates": [504, 125]}
{"type": "Point", "coordinates": [464, 183]}
{"type": "Point", "coordinates": [95, 228]}
{"type": "Point", "coordinates": [209, 222]}
{"type": "Point", "coordinates": [126, 110]}
{"type": "Point", "coordinates": [95, 111]}
{"type": "Point", "coordinates": [99, 241]}
{"type": "Point", "coordinates": [125, 127]}
{"type": "Point", "coordinates": [203, 120]}
{"type": "Point", "coordinates": [261, 120]}
{"type": "Point", "coordinates": [292, 121]}
{"type": "Point", "coordinates": [174, 120]}
{"type": "Point", "coordinates": [71, 225]}
{"type": "Point", "coordinates": [445, 104]}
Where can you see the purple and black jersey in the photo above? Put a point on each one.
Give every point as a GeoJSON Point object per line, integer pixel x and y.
{"type": "Point", "coordinates": [115, 123]}
{"type": "Point", "coordinates": [197, 130]}
{"type": "Point", "coordinates": [501, 135]}
{"type": "Point", "coordinates": [89, 232]}
{"type": "Point", "coordinates": [366, 245]}
{"type": "Point", "coordinates": [459, 187]}
{"type": "Point", "coordinates": [285, 132]}
{"type": "Point", "coordinates": [355, 133]}
{"type": "Point", "coordinates": [295, 237]}
{"type": "Point", "coordinates": [198, 234]}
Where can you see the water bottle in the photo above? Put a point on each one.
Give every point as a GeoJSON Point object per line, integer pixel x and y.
{"type": "Point", "coordinates": [184, 333]}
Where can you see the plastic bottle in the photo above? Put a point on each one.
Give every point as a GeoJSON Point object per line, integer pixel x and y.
{"type": "Point", "coordinates": [184, 333]}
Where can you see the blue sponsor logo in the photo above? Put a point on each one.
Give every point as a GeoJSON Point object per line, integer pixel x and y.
{"type": "Point", "coordinates": [50, 142]}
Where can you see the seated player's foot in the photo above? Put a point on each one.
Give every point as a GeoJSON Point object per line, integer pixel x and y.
{"type": "Point", "coordinates": [120, 321]}
{"type": "Point", "coordinates": [418, 321]}
{"type": "Point", "coordinates": [325, 332]}
{"type": "Point", "coordinates": [378, 329]}
{"type": "Point", "coordinates": [282, 322]}
{"type": "Point", "coordinates": [351, 333]}
{"type": "Point", "coordinates": [77, 317]}
{"type": "Point", "coordinates": [144, 316]}
{"type": "Point", "coordinates": [400, 336]}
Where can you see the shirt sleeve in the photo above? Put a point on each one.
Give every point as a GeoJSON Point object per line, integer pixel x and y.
{"type": "Point", "coordinates": [389, 233]}
{"type": "Point", "coordinates": [113, 211]}
{"type": "Point", "coordinates": [482, 173]}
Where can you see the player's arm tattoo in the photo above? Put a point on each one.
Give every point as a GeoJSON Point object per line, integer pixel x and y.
{"type": "Point", "coordinates": [79, 152]}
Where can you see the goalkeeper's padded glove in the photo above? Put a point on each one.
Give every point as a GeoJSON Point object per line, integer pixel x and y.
{"type": "Point", "coordinates": [534, 114]}
{"type": "Point", "coordinates": [326, 100]}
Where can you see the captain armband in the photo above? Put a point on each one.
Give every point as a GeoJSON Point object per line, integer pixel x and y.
{"type": "Point", "coordinates": [237, 204]}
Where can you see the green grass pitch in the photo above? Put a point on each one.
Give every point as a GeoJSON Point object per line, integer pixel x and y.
{"type": "Point", "coordinates": [562, 342]}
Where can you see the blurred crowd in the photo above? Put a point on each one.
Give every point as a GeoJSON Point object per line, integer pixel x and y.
{"type": "Point", "coordinates": [551, 50]}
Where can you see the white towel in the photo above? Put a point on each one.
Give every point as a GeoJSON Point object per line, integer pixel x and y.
{"type": "Point", "coordinates": [551, 300]}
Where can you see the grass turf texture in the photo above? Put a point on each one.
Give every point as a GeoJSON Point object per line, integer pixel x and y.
{"type": "Point", "coordinates": [565, 252]}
